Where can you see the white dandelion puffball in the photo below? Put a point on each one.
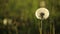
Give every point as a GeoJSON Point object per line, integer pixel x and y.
{"type": "Point", "coordinates": [5, 21]}
{"type": "Point", "coordinates": [9, 21]}
{"type": "Point", "coordinates": [40, 11]}
{"type": "Point", "coordinates": [42, 4]}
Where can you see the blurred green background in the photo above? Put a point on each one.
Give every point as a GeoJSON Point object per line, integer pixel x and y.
{"type": "Point", "coordinates": [23, 13]}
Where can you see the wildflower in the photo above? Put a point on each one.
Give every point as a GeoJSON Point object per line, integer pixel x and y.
{"type": "Point", "coordinates": [42, 13]}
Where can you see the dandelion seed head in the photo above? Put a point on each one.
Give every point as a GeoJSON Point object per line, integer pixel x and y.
{"type": "Point", "coordinates": [44, 11]}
